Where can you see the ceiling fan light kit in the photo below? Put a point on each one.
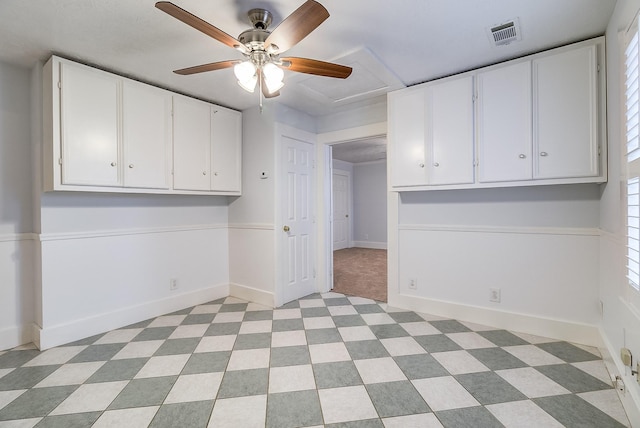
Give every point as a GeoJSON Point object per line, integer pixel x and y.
{"type": "Point", "coordinates": [262, 48]}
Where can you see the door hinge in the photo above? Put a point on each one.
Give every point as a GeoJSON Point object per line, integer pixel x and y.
{"type": "Point", "coordinates": [59, 84]}
{"type": "Point", "coordinates": [59, 161]}
{"type": "Point", "coordinates": [598, 68]}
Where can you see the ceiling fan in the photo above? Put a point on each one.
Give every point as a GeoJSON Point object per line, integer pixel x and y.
{"type": "Point", "coordinates": [262, 47]}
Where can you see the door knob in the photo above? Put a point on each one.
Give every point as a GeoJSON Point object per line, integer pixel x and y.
{"type": "Point", "coordinates": [346, 215]}
{"type": "Point", "coordinates": [286, 228]}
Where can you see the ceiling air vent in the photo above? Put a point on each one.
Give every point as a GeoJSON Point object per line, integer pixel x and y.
{"type": "Point", "coordinates": [505, 33]}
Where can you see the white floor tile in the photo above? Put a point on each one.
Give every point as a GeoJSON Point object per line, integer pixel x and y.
{"type": "Point", "coordinates": [252, 307]}
{"type": "Point", "coordinates": [328, 353]}
{"type": "Point", "coordinates": [459, 362]}
{"type": "Point", "coordinates": [352, 334]}
{"type": "Point", "coordinates": [231, 300]}
{"type": "Point", "coordinates": [531, 382]}
{"type": "Point", "coordinates": [342, 310]}
{"type": "Point", "coordinates": [119, 336]}
{"type": "Point", "coordinates": [471, 340]}
{"type": "Point", "coordinates": [288, 338]}
{"type": "Point", "coordinates": [55, 356]}
{"type": "Point", "coordinates": [24, 347]}
{"type": "Point", "coordinates": [167, 321]}
{"type": "Point", "coordinates": [216, 343]}
{"type": "Point", "coordinates": [4, 372]}
{"type": "Point", "coordinates": [311, 303]}
{"type": "Point", "coordinates": [477, 327]}
{"type": "Point", "coordinates": [332, 295]}
{"type": "Point", "coordinates": [71, 374]}
{"type": "Point", "coordinates": [444, 393]}
{"type": "Point", "coordinates": [423, 420]}
{"type": "Point", "coordinates": [315, 323]}
{"type": "Point", "coordinates": [250, 327]}
{"type": "Point", "coordinates": [351, 403]}
{"type": "Point", "coordinates": [249, 359]}
{"type": "Point", "coordinates": [360, 300]}
{"type": "Point", "coordinates": [596, 369]}
{"type": "Point", "coordinates": [429, 317]}
{"type": "Point", "coordinates": [206, 309]}
{"type": "Point", "coordinates": [139, 417]}
{"type": "Point", "coordinates": [223, 317]}
{"type": "Point", "coordinates": [138, 349]}
{"type": "Point", "coordinates": [20, 423]}
{"type": "Point", "coordinates": [419, 328]}
{"type": "Point", "coordinates": [165, 365]}
{"type": "Point", "coordinates": [195, 387]}
{"type": "Point", "coordinates": [523, 414]}
{"type": "Point", "coordinates": [292, 378]}
{"type": "Point", "coordinates": [7, 397]}
{"type": "Point", "coordinates": [191, 330]}
{"type": "Point", "coordinates": [377, 370]}
{"type": "Point", "coordinates": [377, 319]}
{"type": "Point", "coordinates": [287, 314]}
{"type": "Point", "coordinates": [609, 402]}
{"type": "Point", "coordinates": [391, 309]}
{"type": "Point", "coordinates": [398, 346]}
{"type": "Point", "coordinates": [532, 355]}
{"type": "Point", "coordinates": [246, 412]}
{"type": "Point", "coordinates": [92, 397]}
{"type": "Point", "coordinates": [533, 339]}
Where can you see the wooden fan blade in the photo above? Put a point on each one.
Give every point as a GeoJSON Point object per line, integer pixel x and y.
{"type": "Point", "coordinates": [265, 91]}
{"type": "Point", "coordinates": [200, 25]}
{"type": "Point", "coordinates": [206, 67]}
{"type": "Point", "coordinates": [313, 66]}
{"type": "Point", "coordinates": [296, 26]}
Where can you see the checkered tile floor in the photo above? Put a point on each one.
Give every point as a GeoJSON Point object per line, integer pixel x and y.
{"type": "Point", "coordinates": [325, 360]}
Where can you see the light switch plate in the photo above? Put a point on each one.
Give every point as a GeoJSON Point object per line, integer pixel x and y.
{"type": "Point", "coordinates": [625, 356]}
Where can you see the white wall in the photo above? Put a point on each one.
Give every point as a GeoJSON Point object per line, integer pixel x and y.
{"type": "Point", "coordinates": [370, 204]}
{"type": "Point", "coordinates": [621, 317]}
{"type": "Point", "coordinates": [16, 219]}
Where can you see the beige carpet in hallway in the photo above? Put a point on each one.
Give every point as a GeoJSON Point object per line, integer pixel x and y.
{"type": "Point", "coordinates": [361, 272]}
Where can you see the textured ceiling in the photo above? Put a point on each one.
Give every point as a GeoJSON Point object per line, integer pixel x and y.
{"type": "Point", "coordinates": [361, 151]}
{"type": "Point", "coordinates": [397, 43]}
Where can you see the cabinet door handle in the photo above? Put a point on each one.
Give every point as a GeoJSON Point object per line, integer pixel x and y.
{"type": "Point", "coordinates": [421, 165]}
{"type": "Point", "coordinates": [113, 164]}
{"type": "Point", "coordinates": [543, 153]}
{"type": "Point", "coordinates": [522, 156]}
{"type": "Point", "coordinates": [130, 165]}
{"type": "Point", "coordinates": [215, 173]}
{"type": "Point", "coordinates": [436, 164]}
{"type": "Point", "coordinates": [204, 172]}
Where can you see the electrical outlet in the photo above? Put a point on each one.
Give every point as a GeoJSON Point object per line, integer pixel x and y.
{"type": "Point", "coordinates": [494, 295]}
{"type": "Point", "coordinates": [625, 356]}
{"type": "Point", "coordinates": [413, 284]}
{"type": "Point", "coordinates": [620, 385]}
{"type": "Point", "coordinates": [173, 284]}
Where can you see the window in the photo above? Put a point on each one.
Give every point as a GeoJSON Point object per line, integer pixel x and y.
{"type": "Point", "coordinates": [632, 120]}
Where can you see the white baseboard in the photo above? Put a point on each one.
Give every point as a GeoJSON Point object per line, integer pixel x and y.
{"type": "Point", "coordinates": [369, 244]}
{"type": "Point", "coordinates": [15, 336]}
{"type": "Point", "coordinates": [252, 295]}
{"type": "Point", "coordinates": [552, 328]}
{"type": "Point", "coordinates": [49, 337]}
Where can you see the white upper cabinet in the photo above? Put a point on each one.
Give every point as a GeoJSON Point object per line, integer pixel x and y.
{"type": "Point", "coordinates": [504, 123]}
{"type": "Point", "coordinates": [566, 114]}
{"type": "Point", "coordinates": [146, 129]}
{"type": "Point", "coordinates": [191, 144]}
{"type": "Point", "coordinates": [89, 127]}
{"type": "Point", "coordinates": [226, 150]}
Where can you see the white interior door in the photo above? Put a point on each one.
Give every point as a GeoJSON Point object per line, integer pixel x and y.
{"type": "Point", "coordinates": [298, 211]}
{"type": "Point", "coordinates": [340, 210]}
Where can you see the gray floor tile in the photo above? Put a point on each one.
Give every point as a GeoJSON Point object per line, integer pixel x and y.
{"type": "Point", "coordinates": [185, 311]}
{"type": "Point", "coordinates": [154, 333]}
{"type": "Point", "coordinates": [315, 312]}
{"type": "Point", "coordinates": [207, 362]}
{"type": "Point", "coordinates": [489, 388]}
{"type": "Point", "coordinates": [364, 349]}
{"type": "Point", "coordinates": [502, 338]}
{"type": "Point", "coordinates": [450, 326]}
{"type": "Point", "coordinates": [86, 341]}
{"type": "Point", "coordinates": [369, 423]}
{"type": "Point", "coordinates": [192, 414]}
{"type": "Point", "coordinates": [36, 402]}
{"type": "Point", "coordinates": [178, 346]}
{"type": "Point", "coordinates": [287, 325]}
{"type": "Point", "coordinates": [144, 392]}
{"type": "Point", "coordinates": [141, 324]}
{"type": "Point", "coordinates": [574, 412]}
{"type": "Point", "coordinates": [14, 359]}
{"type": "Point", "coordinates": [241, 383]}
{"type": "Point", "coordinates": [469, 417]}
{"type": "Point", "coordinates": [312, 296]}
{"type": "Point", "coordinates": [258, 315]}
{"type": "Point", "coordinates": [567, 352]}
{"type": "Point", "coordinates": [387, 331]}
{"type": "Point", "coordinates": [117, 370]}
{"type": "Point", "coordinates": [336, 375]}
{"type": "Point", "coordinates": [25, 377]}
{"type": "Point", "coordinates": [98, 353]}
{"type": "Point", "coordinates": [406, 317]}
{"type": "Point", "coordinates": [348, 320]}
{"type": "Point", "coordinates": [290, 356]}
{"type": "Point", "coordinates": [396, 399]}
{"type": "Point", "coordinates": [575, 380]}
{"type": "Point", "coordinates": [323, 335]}
{"type": "Point", "coordinates": [294, 409]}
{"type": "Point", "coordinates": [198, 319]}
{"type": "Point", "coordinates": [437, 343]}
{"type": "Point", "coordinates": [217, 301]}
{"type": "Point", "coordinates": [76, 420]}
{"type": "Point", "coordinates": [253, 341]}
{"type": "Point", "coordinates": [291, 305]}
{"type": "Point", "coordinates": [496, 358]}
{"type": "Point", "coordinates": [337, 301]}
{"type": "Point", "coordinates": [370, 309]}
{"type": "Point", "coordinates": [233, 307]}
{"type": "Point", "coordinates": [223, 329]}
{"type": "Point", "coordinates": [420, 366]}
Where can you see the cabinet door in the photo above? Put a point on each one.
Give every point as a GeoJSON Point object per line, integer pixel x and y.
{"type": "Point", "coordinates": [565, 114]}
{"type": "Point", "coordinates": [146, 125]}
{"type": "Point", "coordinates": [89, 126]}
{"type": "Point", "coordinates": [504, 123]}
{"type": "Point", "coordinates": [226, 149]}
{"type": "Point", "coordinates": [407, 137]}
{"type": "Point", "coordinates": [449, 119]}
{"type": "Point", "coordinates": [191, 144]}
